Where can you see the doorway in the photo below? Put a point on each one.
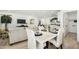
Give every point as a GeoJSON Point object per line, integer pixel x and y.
{"type": "Point", "coordinates": [70, 26]}
{"type": "Point", "coordinates": [70, 22]}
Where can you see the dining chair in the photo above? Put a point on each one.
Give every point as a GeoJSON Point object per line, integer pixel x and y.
{"type": "Point", "coordinates": [31, 39]}
{"type": "Point", "coordinates": [58, 40]}
{"type": "Point", "coordinates": [32, 43]}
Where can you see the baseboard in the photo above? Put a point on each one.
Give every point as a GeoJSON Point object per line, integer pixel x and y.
{"type": "Point", "coordinates": [17, 42]}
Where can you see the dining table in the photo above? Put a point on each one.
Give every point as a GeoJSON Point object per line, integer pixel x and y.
{"type": "Point", "coordinates": [45, 37]}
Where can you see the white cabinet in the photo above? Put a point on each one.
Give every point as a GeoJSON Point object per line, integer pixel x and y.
{"type": "Point", "coordinates": [17, 34]}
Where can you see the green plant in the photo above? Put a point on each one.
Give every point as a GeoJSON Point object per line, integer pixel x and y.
{"type": "Point", "coordinates": [6, 19]}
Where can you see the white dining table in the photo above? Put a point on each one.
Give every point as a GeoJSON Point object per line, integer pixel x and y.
{"type": "Point", "coordinates": [46, 36]}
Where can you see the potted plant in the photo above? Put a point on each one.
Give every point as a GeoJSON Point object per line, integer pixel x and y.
{"type": "Point", "coordinates": [6, 19]}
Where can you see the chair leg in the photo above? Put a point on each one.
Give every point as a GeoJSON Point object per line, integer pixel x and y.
{"type": "Point", "coordinates": [59, 47]}
{"type": "Point", "coordinates": [47, 43]}
{"type": "Point", "coordinates": [45, 47]}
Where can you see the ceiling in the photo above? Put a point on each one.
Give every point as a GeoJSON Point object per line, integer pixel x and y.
{"type": "Point", "coordinates": [36, 13]}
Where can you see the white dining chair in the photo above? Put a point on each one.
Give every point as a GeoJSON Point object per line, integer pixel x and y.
{"type": "Point", "coordinates": [58, 40]}
{"type": "Point", "coordinates": [31, 39]}
{"type": "Point", "coordinates": [32, 43]}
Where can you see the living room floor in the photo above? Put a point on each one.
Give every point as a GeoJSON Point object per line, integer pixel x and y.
{"type": "Point", "coordinates": [19, 45]}
{"type": "Point", "coordinates": [69, 42]}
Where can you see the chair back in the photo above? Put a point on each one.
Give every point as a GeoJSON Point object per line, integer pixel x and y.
{"type": "Point", "coordinates": [60, 36]}
{"type": "Point", "coordinates": [31, 39]}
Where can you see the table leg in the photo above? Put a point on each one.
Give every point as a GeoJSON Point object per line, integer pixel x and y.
{"type": "Point", "coordinates": [41, 46]}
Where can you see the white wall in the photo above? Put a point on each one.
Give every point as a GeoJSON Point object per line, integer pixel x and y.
{"type": "Point", "coordinates": [78, 25]}
{"type": "Point", "coordinates": [16, 16]}
{"type": "Point", "coordinates": [46, 21]}
{"type": "Point", "coordinates": [35, 13]}
{"type": "Point", "coordinates": [29, 14]}
{"type": "Point", "coordinates": [71, 25]}
{"type": "Point", "coordinates": [66, 22]}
